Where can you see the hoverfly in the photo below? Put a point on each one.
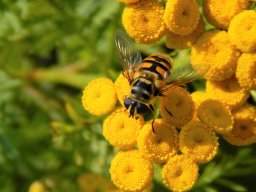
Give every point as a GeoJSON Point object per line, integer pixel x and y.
{"type": "Point", "coordinates": [151, 77]}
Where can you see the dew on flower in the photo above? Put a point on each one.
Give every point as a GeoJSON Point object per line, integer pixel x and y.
{"type": "Point", "coordinates": [158, 147]}
{"type": "Point", "coordinates": [198, 141]}
{"type": "Point", "coordinates": [99, 96]}
{"type": "Point", "coordinates": [130, 171]}
{"type": "Point", "coordinates": [143, 21]}
{"type": "Point", "coordinates": [180, 173]}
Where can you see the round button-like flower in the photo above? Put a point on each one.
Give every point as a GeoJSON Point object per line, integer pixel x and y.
{"type": "Point", "coordinates": [246, 71]}
{"type": "Point", "coordinates": [242, 31]}
{"type": "Point", "coordinates": [216, 115]}
{"type": "Point", "coordinates": [177, 107]}
{"type": "Point", "coordinates": [123, 88]}
{"type": "Point", "coordinates": [228, 92]}
{"type": "Point", "coordinates": [99, 96]}
{"type": "Point", "coordinates": [180, 173]}
{"type": "Point", "coordinates": [244, 131]}
{"type": "Point", "coordinates": [198, 142]}
{"type": "Point", "coordinates": [143, 21]}
{"type": "Point", "coordinates": [175, 41]}
{"type": "Point", "coordinates": [158, 147]}
{"type": "Point", "coordinates": [213, 56]}
{"type": "Point", "coordinates": [121, 130]}
{"type": "Point", "coordinates": [219, 13]}
{"type": "Point", "coordinates": [181, 17]}
{"type": "Point", "coordinates": [130, 171]}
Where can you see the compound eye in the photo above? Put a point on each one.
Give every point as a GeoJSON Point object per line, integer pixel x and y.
{"type": "Point", "coordinates": [127, 102]}
{"type": "Point", "coordinates": [142, 108]}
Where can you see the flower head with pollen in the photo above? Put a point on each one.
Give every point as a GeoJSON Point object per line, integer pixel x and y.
{"type": "Point", "coordinates": [130, 171]}
{"type": "Point", "coordinates": [246, 71]}
{"type": "Point", "coordinates": [198, 97]}
{"type": "Point", "coordinates": [242, 31]}
{"type": "Point", "coordinates": [176, 41]}
{"type": "Point", "coordinates": [158, 147]}
{"type": "Point", "coordinates": [228, 92]}
{"type": "Point", "coordinates": [216, 115]}
{"type": "Point", "coordinates": [177, 107]}
{"type": "Point", "coordinates": [213, 56]}
{"type": "Point", "coordinates": [99, 97]}
{"type": "Point", "coordinates": [181, 17]}
{"type": "Point", "coordinates": [143, 21]}
{"type": "Point", "coordinates": [121, 130]}
{"type": "Point", "coordinates": [180, 173]}
{"type": "Point", "coordinates": [244, 131]}
{"type": "Point", "coordinates": [198, 141]}
{"type": "Point", "coordinates": [219, 13]}
{"type": "Point", "coordinates": [123, 88]}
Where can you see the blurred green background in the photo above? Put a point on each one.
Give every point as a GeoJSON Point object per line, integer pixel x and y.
{"type": "Point", "coordinates": [49, 51]}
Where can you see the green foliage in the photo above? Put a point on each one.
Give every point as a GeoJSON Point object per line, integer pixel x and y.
{"type": "Point", "coordinates": [49, 50]}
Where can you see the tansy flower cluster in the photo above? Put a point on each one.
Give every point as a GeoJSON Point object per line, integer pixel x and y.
{"type": "Point", "coordinates": [188, 126]}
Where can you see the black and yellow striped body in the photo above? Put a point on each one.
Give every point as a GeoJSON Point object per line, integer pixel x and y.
{"type": "Point", "coordinates": [148, 78]}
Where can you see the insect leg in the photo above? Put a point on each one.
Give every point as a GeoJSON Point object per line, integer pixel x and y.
{"type": "Point", "coordinates": [154, 116]}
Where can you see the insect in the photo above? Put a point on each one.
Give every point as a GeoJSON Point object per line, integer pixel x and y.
{"type": "Point", "coordinates": [151, 77]}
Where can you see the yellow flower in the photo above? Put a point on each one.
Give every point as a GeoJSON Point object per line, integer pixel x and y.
{"type": "Point", "coordinates": [198, 142]}
{"type": "Point", "coordinates": [177, 107]}
{"type": "Point", "coordinates": [130, 171]}
{"type": "Point", "coordinates": [213, 56]}
{"type": "Point", "coordinates": [180, 173]}
{"type": "Point", "coordinates": [158, 147]}
{"type": "Point", "coordinates": [228, 92]}
{"type": "Point", "coordinates": [176, 41]}
{"type": "Point", "coordinates": [216, 115]}
{"type": "Point", "coordinates": [121, 130]}
{"type": "Point", "coordinates": [246, 71]}
{"type": "Point", "coordinates": [128, 1]}
{"type": "Point", "coordinates": [198, 97]}
{"type": "Point", "coordinates": [244, 131]}
{"type": "Point", "coordinates": [219, 13]}
{"type": "Point", "coordinates": [123, 88]}
{"type": "Point", "coordinates": [99, 97]}
{"type": "Point", "coordinates": [181, 17]}
{"type": "Point", "coordinates": [143, 21]}
{"type": "Point", "coordinates": [242, 31]}
{"type": "Point", "coordinates": [37, 186]}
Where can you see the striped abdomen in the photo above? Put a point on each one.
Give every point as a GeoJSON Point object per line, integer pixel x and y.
{"type": "Point", "coordinates": [157, 65]}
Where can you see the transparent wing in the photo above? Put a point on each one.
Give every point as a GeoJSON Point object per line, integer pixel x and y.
{"type": "Point", "coordinates": [180, 76]}
{"type": "Point", "coordinates": [129, 55]}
